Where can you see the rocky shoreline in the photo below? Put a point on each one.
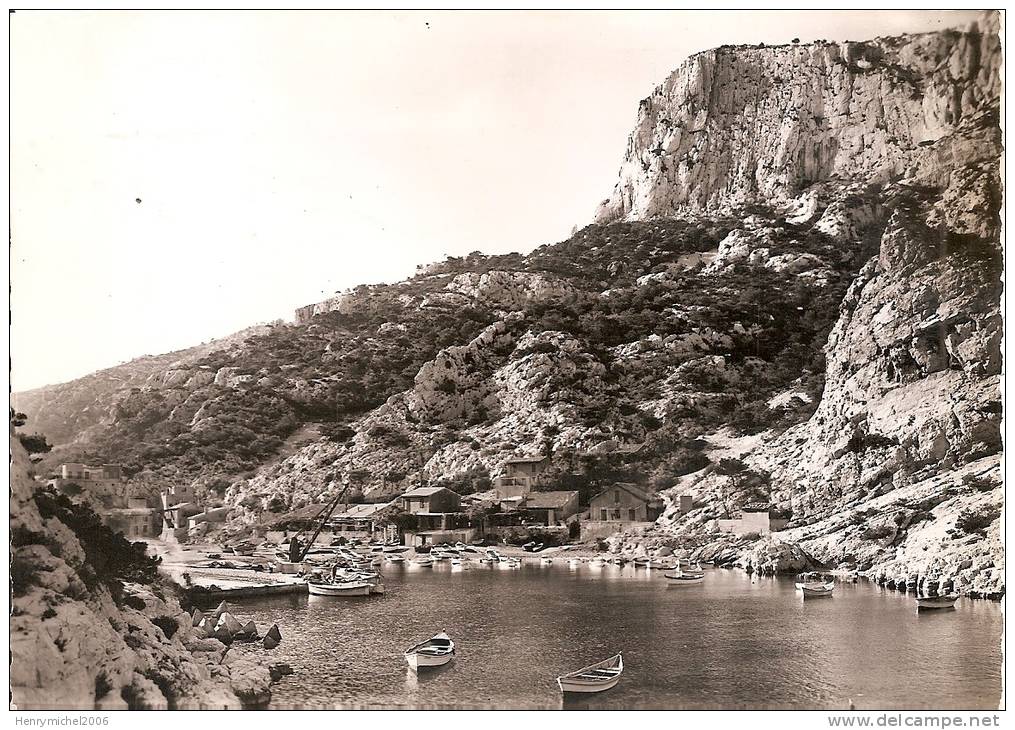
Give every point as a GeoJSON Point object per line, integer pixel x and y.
{"type": "Point", "coordinates": [75, 646]}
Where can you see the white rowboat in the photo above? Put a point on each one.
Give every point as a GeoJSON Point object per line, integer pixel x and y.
{"type": "Point", "coordinates": [339, 589]}
{"type": "Point", "coordinates": [434, 652]}
{"type": "Point", "coordinates": [593, 678]}
{"type": "Point", "coordinates": [676, 577]}
{"type": "Point", "coordinates": [817, 590]}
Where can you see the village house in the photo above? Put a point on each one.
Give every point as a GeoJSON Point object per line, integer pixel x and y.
{"type": "Point", "coordinates": [436, 500]}
{"type": "Point", "coordinates": [357, 519]}
{"type": "Point", "coordinates": [549, 508]}
{"type": "Point", "coordinates": [103, 485]}
{"type": "Point", "coordinates": [755, 518]}
{"type": "Point", "coordinates": [106, 488]}
{"type": "Point", "coordinates": [625, 502]}
{"type": "Point", "coordinates": [520, 475]}
{"type": "Point", "coordinates": [439, 516]}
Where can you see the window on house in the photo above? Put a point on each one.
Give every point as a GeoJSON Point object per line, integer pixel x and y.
{"type": "Point", "coordinates": [616, 497]}
{"type": "Point", "coordinates": [631, 515]}
{"type": "Point", "coordinates": [602, 514]}
{"type": "Point", "coordinates": [616, 514]}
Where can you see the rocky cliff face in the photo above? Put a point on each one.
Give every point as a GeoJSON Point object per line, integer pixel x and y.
{"type": "Point", "coordinates": [746, 125]}
{"type": "Point", "coordinates": [896, 472]}
{"type": "Point", "coordinates": [73, 647]}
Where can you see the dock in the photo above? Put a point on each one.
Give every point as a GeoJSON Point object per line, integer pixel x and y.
{"type": "Point", "coordinates": [245, 591]}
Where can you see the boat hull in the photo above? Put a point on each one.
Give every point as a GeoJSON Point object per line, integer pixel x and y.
{"type": "Point", "coordinates": [816, 592]}
{"type": "Point", "coordinates": [683, 580]}
{"type": "Point", "coordinates": [435, 652]}
{"type": "Point", "coordinates": [936, 603]}
{"type": "Point", "coordinates": [424, 661]}
{"type": "Point", "coordinates": [568, 686]}
{"type": "Point", "coordinates": [595, 678]}
{"type": "Point", "coordinates": [339, 591]}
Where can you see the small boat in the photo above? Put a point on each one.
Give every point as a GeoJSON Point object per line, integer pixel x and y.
{"type": "Point", "coordinates": [423, 562]}
{"type": "Point", "coordinates": [489, 560]}
{"type": "Point", "coordinates": [593, 678]}
{"type": "Point", "coordinates": [394, 558]}
{"type": "Point", "coordinates": [355, 588]}
{"type": "Point", "coordinates": [925, 603]}
{"type": "Point", "coordinates": [514, 563]}
{"type": "Point", "coordinates": [817, 590]}
{"type": "Point", "coordinates": [696, 569]}
{"type": "Point", "coordinates": [456, 562]}
{"type": "Point", "coordinates": [532, 547]}
{"type": "Point", "coordinates": [678, 577]}
{"type": "Point", "coordinates": [546, 561]}
{"type": "Point", "coordinates": [597, 563]}
{"type": "Point", "coordinates": [434, 652]}
{"type": "Point", "coordinates": [573, 562]}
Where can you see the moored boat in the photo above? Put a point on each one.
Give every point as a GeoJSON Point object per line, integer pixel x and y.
{"type": "Point", "coordinates": [423, 561]}
{"type": "Point", "coordinates": [678, 577]}
{"type": "Point", "coordinates": [597, 677]}
{"type": "Point", "coordinates": [817, 590]}
{"type": "Point", "coordinates": [597, 563]}
{"type": "Point", "coordinates": [394, 558]}
{"type": "Point", "coordinates": [925, 603]}
{"type": "Point", "coordinates": [546, 561]}
{"type": "Point", "coordinates": [434, 652]}
{"type": "Point", "coordinates": [352, 588]}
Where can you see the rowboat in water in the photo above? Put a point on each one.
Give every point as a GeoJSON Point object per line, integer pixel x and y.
{"type": "Point", "coordinates": [817, 590]}
{"type": "Point", "coordinates": [434, 652]}
{"type": "Point", "coordinates": [546, 561]}
{"type": "Point", "coordinates": [339, 590]}
{"type": "Point", "coordinates": [593, 678]}
{"type": "Point", "coordinates": [926, 603]}
{"type": "Point", "coordinates": [812, 579]}
{"type": "Point", "coordinates": [423, 562]}
{"type": "Point", "coordinates": [678, 577]}
{"type": "Point", "coordinates": [597, 563]}
{"type": "Point", "coordinates": [394, 558]}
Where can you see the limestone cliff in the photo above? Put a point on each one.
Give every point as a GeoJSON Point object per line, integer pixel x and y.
{"type": "Point", "coordinates": [897, 470]}
{"type": "Point", "coordinates": [73, 647]}
{"type": "Point", "coordinates": [744, 125]}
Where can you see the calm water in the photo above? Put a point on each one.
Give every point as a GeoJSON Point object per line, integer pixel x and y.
{"type": "Point", "coordinates": [729, 643]}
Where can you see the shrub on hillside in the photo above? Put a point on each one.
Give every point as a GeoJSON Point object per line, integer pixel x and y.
{"type": "Point", "coordinates": [110, 559]}
{"type": "Point", "coordinates": [977, 520]}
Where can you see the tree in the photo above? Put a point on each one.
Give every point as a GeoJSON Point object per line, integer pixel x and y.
{"type": "Point", "coordinates": [35, 443]}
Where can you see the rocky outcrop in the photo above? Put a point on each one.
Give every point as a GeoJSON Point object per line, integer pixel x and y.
{"type": "Point", "coordinates": [512, 290]}
{"type": "Point", "coordinates": [73, 647]}
{"type": "Point", "coordinates": [744, 125]}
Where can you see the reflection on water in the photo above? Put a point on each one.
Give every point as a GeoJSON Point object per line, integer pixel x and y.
{"type": "Point", "coordinates": [731, 642]}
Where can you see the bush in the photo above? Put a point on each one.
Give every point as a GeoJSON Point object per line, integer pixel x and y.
{"type": "Point", "coordinates": [880, 532]}
{"type": "Point", "coordinates": [110, 559]}
{"type": "Point", "coordinates": [971, 521]}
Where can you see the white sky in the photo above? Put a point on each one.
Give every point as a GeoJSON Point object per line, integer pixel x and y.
{"type": "Point", "coordinates": [280, 157]}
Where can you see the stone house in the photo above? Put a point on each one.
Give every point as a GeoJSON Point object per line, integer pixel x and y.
{"type": "Point", "coordinates": [551, 507]}
{"type": "Point", "coordinates": [624, 502]}
{"type": "Point", "coordinates": [520, 475]}
{"type": "Point", "coordinates": [423, 500]}
{"type": "Point", "coordinates": [754, 519]}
